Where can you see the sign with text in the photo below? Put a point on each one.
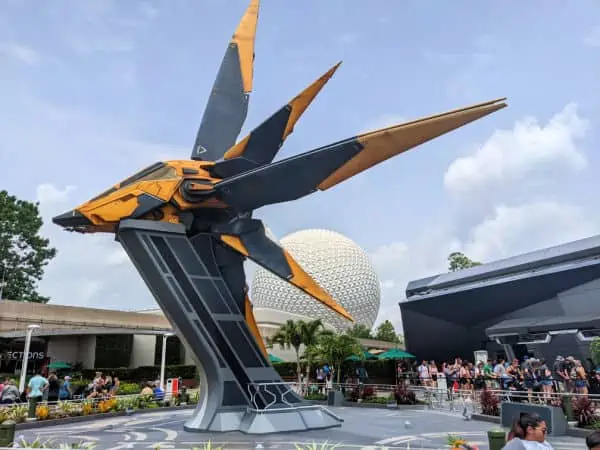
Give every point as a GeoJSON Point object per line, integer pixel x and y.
{"type": "Point", "coordinates": [19, 355]}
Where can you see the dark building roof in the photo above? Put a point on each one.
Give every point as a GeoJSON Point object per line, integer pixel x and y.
{"type": "Point", "coordinates": [558, 258]}
{"type": "Point", "coordinates": [543, 324]}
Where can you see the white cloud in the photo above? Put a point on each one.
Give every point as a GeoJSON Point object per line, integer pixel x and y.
{"type": "Point", "coordinates": [519, 229]}
{"type": "Point", "coordinates": [48, 194]}
{"type": "Point", "coordinates": [147, 10]}
{"type": "Point", "coordinates": [398, 263]}
{"type": "Point", "coordinates": [510, 231]}
{"type": "Point", "coordinates": [388, 284]}
{"type": "Point", "coordinates": [508, 225]}
{"type": "Point", "coordinates": [89, 270]}
{"type": "Point", "coordinates": [528, 151]}
{"type": "Point", "coordinates": [20, 52]}
{"type": "Point", "coordinates": [592, 39]}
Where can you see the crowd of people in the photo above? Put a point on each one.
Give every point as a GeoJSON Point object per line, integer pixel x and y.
{"type": "Point", "coordinates": [529, 374]}
{"type": "Point", "coordinates": [53, 389]}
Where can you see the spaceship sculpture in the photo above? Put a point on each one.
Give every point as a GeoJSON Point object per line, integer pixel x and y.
{"type": "Point", "coordinates": [188, 227]}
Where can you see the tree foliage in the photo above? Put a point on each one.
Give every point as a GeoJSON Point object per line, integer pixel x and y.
{"type": "Point", "coordinates": [386, 332]}
{"type": "Point", "coordinates": [595, 351]}
{"type": "Point", "coordinates": [23, 251]}
{"type": "Point", "coordinates": [294, 334]}
{"type": "Point", "coordinates": [459, 261]}
{"type": "Point", "coordinates": [335, 348]}
{"type": "Point", "coordinates": [360, 331]}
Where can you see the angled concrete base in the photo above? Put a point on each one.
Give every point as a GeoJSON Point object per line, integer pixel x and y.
{"type": "Point", "coordinates": [269, 421]}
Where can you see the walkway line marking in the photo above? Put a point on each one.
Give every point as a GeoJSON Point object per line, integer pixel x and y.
{"type": "Point", "coordinates": [396, 439]}
{"type": "Point", "coordinates": [171, 435]}
{"type": "Point", "coordinates": [138, 436]}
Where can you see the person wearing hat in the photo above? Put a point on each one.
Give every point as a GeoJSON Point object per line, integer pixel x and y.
{"type": "Point", "coordinates": [65, 392]}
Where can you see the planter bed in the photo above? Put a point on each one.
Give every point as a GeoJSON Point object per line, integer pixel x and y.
{"type": "Point", "coordinates": [371, 405]}
{"type": "Point", "coordinates": [75, 419]}
{"type": "Point", "coordinates": [486, 418]}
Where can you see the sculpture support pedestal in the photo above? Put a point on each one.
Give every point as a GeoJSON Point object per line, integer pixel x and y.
{"type": "Point", "coordinates": [194, 280]}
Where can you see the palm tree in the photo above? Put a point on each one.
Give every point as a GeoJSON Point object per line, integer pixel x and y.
{"type": "Point", "coordinates": [312, 332]}
{"type": "Point", "coordinates": [294, 334]}
{"type": "Point", "coordinates": [335, 348]}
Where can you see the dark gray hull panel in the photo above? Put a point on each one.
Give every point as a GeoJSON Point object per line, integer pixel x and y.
{"type": "Point", "coordinates": [239, 388]}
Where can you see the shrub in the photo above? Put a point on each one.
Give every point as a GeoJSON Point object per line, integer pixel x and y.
{"type": "Point", "coordinates": [404, 397]}
{"type": "Point", "coordinates": [145, 373]}
{"type": "Point", "coordinates": [378, 400]}
{"type": "Point", "coordinates": [129, 388]}
{"type": "Point", "coordinates": [315, 396]}
{"type": "Point", "coordinates": [583, 411]}
{"type": "Point", "coordinates": [368, 392]}
{"type": "Point", "coordinates": [595, 351]}
{"type": "Point", "coordinates": [354, 394]}
{"type": "Point", "coordinates": [490, 403]}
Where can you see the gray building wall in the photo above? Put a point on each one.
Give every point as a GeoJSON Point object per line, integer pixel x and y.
{"type": "Point", "coordinates": [453, 323]}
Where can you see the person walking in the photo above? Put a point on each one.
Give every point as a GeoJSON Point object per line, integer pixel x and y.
{"type": "Point", "coordinates": [36, 388]}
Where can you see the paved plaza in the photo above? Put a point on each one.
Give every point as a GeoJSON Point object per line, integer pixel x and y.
{"type": "Point", "coordinates": [363, 428]}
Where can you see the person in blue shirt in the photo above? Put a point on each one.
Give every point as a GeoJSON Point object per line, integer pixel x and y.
{"type": "Point", "coordinates": [36, 387]}
{"type": "Point", "coordinates": [65, 392]}
{"type": "Point", "coordinates": [158, 392]}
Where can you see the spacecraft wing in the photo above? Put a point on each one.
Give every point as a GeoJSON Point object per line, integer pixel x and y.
{"type": "Point", "coordinates": [227, 104]}
{"type": "Point", "coordinates": [261, 146]}
{"type": "Point", "coordinates": [327, 166]}
{"type": "Point", "coordinates": [248, 237]}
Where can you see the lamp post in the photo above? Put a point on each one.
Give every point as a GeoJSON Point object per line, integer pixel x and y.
{"type": "Point", "coordinates": [30, 329]}
{"type": "Point", "coordinates": [2, 281]}
{"type": "Point", "coordinates": [163, 359]}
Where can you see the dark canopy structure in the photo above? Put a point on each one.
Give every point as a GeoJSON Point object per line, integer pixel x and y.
{"type": "Point", "coordinates": [544, 302]}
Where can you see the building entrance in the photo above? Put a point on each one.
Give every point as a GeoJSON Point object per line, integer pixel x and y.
{"type": "Point", "coordinates": [11, 355]}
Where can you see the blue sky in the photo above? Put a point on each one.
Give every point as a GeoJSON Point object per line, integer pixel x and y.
{"type": "Point", "coordinates": [92, 91]}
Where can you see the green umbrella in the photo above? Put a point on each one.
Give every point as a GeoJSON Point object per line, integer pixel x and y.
{"type": "Point", "coordinates": [395, 353]}
{"type": "Point", "coordinates": [366, 354]}
{"type": "Point", "coordinates": [274, 359]}
{"type": "Point", "coordinates": [59, 365]}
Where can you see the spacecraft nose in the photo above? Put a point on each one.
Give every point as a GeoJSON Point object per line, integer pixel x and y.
{"type": "Point", "coordinates": [71, 219]}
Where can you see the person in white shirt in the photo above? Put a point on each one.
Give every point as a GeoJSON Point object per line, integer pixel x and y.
{"type": "Point", "coordinates": [528, 433]}
{"type": "Point", "coordinates": [424, 374]}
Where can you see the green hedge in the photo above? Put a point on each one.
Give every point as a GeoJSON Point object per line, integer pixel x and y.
{"type": "Point", "coordinates": [145, 373]}
{"type": "Point", "coordinates": [380, 371]}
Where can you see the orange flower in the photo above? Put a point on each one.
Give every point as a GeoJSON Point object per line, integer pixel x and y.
{"type": "Point", "coordinates": [42, 412]}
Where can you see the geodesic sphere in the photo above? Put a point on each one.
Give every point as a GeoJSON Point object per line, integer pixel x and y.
{"type": "Point", "coordinates": [338, 265]}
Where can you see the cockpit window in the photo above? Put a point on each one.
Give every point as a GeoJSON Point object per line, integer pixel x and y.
{"type": "Point", "coordinates": [157, 171]}
{"type": "Point", "coordinates": [164, 173]}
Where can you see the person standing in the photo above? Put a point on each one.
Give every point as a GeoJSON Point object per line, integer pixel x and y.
{"type": "Point", "coordinates": [36, 388]}
{"type": "Point", "coordinates": [53, 387]}
{"type": "Point", "coordinates": [423, 370]}
{"type": "Point", "coordinates": [10, 393]}
{"type": "Point", "coordinates": [65, 392]}
{"type": "Point", "coordinates": [433, 374]}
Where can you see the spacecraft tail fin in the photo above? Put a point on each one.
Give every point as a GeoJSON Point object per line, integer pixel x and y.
{"type": "Point", "coordinates": [261, 146]}
{"type": "Point", "coordinates": [248, 237]}
{"type": "Point", "coordinates": [227, 105]}
{"type": "Point", "coordinates": [323, 168]}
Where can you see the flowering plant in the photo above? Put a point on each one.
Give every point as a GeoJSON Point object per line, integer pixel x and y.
{"type": "Point", "coordinates": [457, 442]}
